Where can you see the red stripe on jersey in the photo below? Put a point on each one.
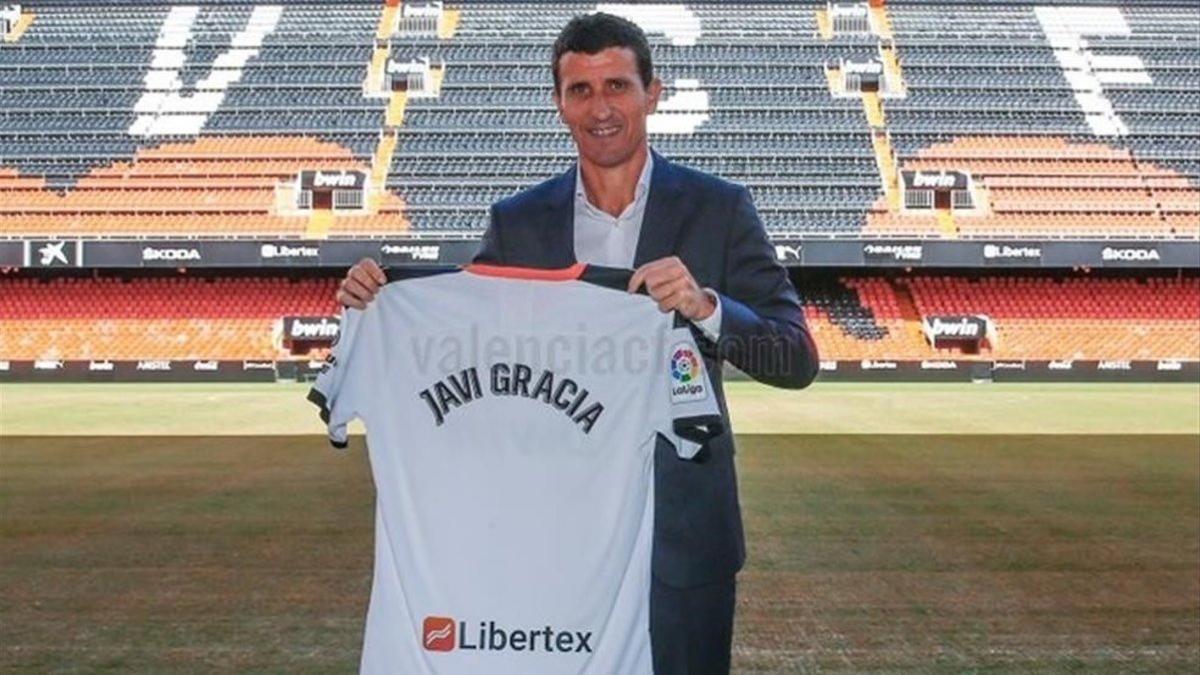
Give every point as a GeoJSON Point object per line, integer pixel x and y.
{"type": "Point", "coordinates": [511, 272]}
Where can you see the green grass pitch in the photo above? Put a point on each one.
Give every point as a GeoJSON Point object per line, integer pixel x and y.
{"type": "Point", "coordinates": [914, 528]}
{"type": "Point", "coordinates": [824, 408]}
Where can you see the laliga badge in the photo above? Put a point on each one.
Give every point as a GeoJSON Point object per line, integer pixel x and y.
{"type": "Point", "coordinates": [687, 374]}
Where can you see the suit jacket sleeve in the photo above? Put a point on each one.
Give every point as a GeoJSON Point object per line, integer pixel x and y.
{"type": "Point", "coordinates": [490, 251]}
{"type": "Point", "coordinates": [763, 332]}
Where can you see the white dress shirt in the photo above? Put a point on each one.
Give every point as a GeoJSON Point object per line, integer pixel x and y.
{"type": "Point", "coordinates": [601, 239]}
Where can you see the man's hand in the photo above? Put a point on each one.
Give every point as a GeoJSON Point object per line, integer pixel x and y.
{"type": "Point", "coordinates": [361, 284]}
{"type": "Point", "coordinates": [671, 285]}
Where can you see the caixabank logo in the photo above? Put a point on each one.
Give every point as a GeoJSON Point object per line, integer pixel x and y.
{"type": "Point", "coordinates": [687, 374]}
{"type": "Point", "coordinates": [445, 634]}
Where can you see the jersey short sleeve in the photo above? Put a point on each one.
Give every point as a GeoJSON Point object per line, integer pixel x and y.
{"type": "Point", "coordinates": [694, 415]}
{"type": "Point", "coordinates": [336, 392]}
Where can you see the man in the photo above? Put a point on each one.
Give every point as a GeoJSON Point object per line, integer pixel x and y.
{"type": "Point", "coordinates": [698, 248]}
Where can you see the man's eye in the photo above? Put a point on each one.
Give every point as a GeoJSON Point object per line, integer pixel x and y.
{"type": "Point", "coordinates": [616, 85]}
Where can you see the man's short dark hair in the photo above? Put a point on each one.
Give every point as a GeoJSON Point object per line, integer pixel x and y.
{"type": "Point", "coordinates": [593, 33]}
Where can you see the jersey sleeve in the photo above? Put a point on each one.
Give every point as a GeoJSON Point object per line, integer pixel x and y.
{"type": "Point", "coordinates": [335, 392]}
{"type": "Point", "coordinates": [694, 416]}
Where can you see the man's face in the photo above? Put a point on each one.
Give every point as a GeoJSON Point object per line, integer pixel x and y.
{"type": "Point", "coordinates": [603, 102]}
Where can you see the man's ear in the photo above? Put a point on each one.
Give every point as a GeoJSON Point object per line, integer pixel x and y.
{"type": "Point", "coordinates": [653, 92]}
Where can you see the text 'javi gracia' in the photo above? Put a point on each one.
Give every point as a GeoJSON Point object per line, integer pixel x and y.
{"type": "Point", "coordinates": [515, 379]}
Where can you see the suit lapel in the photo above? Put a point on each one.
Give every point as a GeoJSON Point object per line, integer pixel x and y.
{"type": "Point", "coordinates": [558, 226]}
{"type": "Point", "coordinates": [664, 213]}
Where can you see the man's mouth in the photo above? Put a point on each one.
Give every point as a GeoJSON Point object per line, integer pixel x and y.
{"type": "Point", "coordinates": [604, 132]}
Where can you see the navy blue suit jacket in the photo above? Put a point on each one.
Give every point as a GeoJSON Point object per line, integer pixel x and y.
{"type": "Point", "coordinates": [713, 227]}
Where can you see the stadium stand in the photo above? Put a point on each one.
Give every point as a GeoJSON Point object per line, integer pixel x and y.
{"type": "Point", "coordinates": [1074, 317]}
{"type": "Point", "coordinates": [214, 316]}
{"type": "Point", "coordinates": [1055, 120]}
{"type": "Point", "coordinates": [198, 188]}
{"type": "Point", "coordinates": [1036, 317]}
{"type": "Point", "coordinates": [1009, 93]}
{"type": "Point", "coordinates": [161, 317]}
{"type": "Point", "coordinates": [859, 318]}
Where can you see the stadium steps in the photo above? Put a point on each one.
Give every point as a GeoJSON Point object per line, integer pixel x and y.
{"type": "Point", "coordinates": [945, 221]}
{"type": "Point", "coordinates": [1155, 198]}
{"type": "Point", "coordinates": [376, 75]}
{"type": "Point", "coordinates": [873, 108]}
{"type": "Point", "coordinates": [885, 156]}
{"type": "Point", "coordinates": [448, 24]}
{"type": "Point", "coordinates": [388, 21]}
{"type": "Point", "coordinates": [824, 24]}
{"type": "Point", "coordinates": [380, 164]}
{"type": "Point", "coordinates": [892, 72]}
{"type": "Point", "coordinates": [395, 110]}
{"type": "Point", "coordinates": [885, 159]}
{"type": "Point", "coordinates": [18, 30]}
{"type": "Point", "coordinates": [908, 311]}
{"type": "Point", "coordinates": [880, 21]}
{"type": "Point", "coordinates": [319, 224]}
{"type": "Point", "coordinates": [835, 79]}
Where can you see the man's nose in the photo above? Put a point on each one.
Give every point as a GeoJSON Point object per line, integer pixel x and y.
{"type": "Point", "coordinates": [601, 109]}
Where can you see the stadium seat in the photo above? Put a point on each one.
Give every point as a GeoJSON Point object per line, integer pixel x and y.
{"type": "Point", "coordinates": [155, 318]}
{"type": "Point", "coordinates": [1047, 318]}
{"type": "Point", "coordinates": [745, 95]}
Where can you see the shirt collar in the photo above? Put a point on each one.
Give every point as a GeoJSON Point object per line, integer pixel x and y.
{"type": "Point", "coordinates": [642, 185]}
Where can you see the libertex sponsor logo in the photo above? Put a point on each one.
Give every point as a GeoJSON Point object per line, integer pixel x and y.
{"type": "Point", "coordinates": [445, 634]}
{"type": "Point", "coordinates": [439, 633]}
{"type": "Point", "coordinates": [1007, 252]}
{"type": "Point", "coordinates": [285, 251]}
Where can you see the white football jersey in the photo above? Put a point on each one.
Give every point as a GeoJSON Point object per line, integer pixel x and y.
{"type": "Point", "coordinates": [511, 419]}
